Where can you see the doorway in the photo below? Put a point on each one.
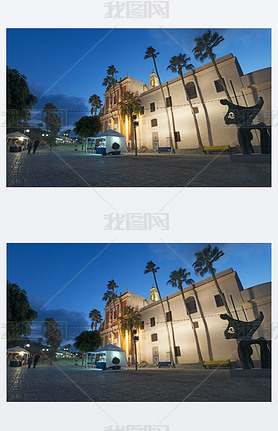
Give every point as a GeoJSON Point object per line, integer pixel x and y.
{"type": "Point", "coordinates": [155, 355]}
{"type": "Point", "coordinates": [155, 140]}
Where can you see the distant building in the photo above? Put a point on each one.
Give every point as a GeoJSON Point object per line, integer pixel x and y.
{"type": "Point", "coordinates": [205, 91]}
{"type": "Point", "coordinates": [205, 307]}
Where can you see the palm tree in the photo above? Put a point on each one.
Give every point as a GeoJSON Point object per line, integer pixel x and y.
{"type": "Point", "coordinates": [96, 318]}
{"type": "Point", "coordinates": [129, 321]}
{"type": "Point", "coordinates": [96, 103]}
{"type": "Point", "coordinates": [204, 49]}
{"type": "Point", "coordinates": [178, 277]}
{"type": "Point", "coordinates": [111, 71]}
{"type": "Point", "coordinates": [151, 267]}
{"type": "Point", "coordinates": [108, 82]}
{"type": "Point", "coordinates": [151, 53]}
{"type": "Point", "coordinates": [129, 105]}
{"type": "Point", "coordinates": [203, 264]}
{"type": "Point", "coordinates": [177, 62]}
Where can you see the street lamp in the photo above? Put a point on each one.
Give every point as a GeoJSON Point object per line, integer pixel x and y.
{"type": "Point", "coordinates": [135, 124]}
{"type": "Point", "coordinates": [135, 338]}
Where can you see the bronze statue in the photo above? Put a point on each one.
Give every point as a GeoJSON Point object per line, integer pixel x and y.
{"type": "Point", "coordinates": [243, 331]}
{"type": "Point", "coordinates": [243, 116]}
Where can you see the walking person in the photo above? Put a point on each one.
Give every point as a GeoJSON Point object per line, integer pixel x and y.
{"type": "Point", "coordinates": [30, 360]}
{"type": "Point", "coordinates": [50, 360]}
{"type": "Point", "coordinates": [36, 144]}
{"type": "Point", "coordinates": [36, 360]}
{"type": "Point", "coordinates": [29, 146]}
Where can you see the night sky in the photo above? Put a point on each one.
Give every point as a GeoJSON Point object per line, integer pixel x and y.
{"type": "Point", "coordinates": [78, 273]}
{"type": "Point", "coordinates": [67, 66]}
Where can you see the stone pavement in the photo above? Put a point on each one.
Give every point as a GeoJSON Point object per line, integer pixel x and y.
{"type": "Point", "coordinates": [62, 382]}
{"type": "Point", "coordinates": [64, 167]}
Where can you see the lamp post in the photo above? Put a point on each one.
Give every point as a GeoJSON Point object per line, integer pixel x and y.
{"type": "Point", "coordinates": [135, 124]}
{"type": "Point", "coordinates": [135, 338]}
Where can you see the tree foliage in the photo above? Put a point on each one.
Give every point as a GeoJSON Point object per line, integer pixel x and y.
{"type": "Point", "coordinates": [87, 126]}
{"type": "Point", "coordinates": [19, 98]}
{"type": "Point", "coordinates": [130, 319]}
{"type": "Point", "coordinates": [19, 312]}
{"type": "Point", "coordinates": [52, 334]}
{"type": "Point", "coordinates": [96, 103]}
{"type": "Point", "coordinates": [52, 120]}
{"type": "Point", "coordinates": [87, 341]}
{"type": "Point", "coordinates": [96, 317]}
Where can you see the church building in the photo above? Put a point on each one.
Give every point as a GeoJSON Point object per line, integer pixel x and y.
{"type": "Point", "coordinates": [205, 91]}
{"type": "Point", "coordinates": [193, 333]}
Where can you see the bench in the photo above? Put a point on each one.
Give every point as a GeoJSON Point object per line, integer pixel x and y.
{"type": "Point", "coordinates": [208, 364]}
{"type": "Point", "coordinates": [165, 364]}
{"type": "Point", "coordinates": [159, 149]}
{"type": "Point", "coordinates": [217, 148]}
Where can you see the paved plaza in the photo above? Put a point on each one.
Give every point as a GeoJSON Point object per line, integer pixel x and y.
{"type": "Point", "coordinates": [63, 167]}
{"type": "Point", "coordinates": [66, 382]}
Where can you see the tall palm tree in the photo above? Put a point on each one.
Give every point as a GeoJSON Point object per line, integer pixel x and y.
{"type": "Point", "coordinates": [177, 278]}
{"type": "Point", "coordinates": [129, 105]}
{"type": "Point", "coordinates": [96, 318]}
{"type": "Point", "coordinates": [111, 71]}
{"type": "Point", "coordinates": [203, 264]}
{"type": "Point", "coordinates": [177, 63]}
{"type": "Point", "coordinates": [151, 53]}
{"type": "Point", "coordinates": [204, 49]}
{"type": "Point", "coordinates": [151, 267]}
{"type": "Point", "coordinates": [96, 103]}
{"type": "Point", "coordinates": [129, 321]}
{"type": "Point", "coordinates": [108, 82]}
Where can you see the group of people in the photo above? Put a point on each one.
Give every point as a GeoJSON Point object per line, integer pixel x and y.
{"type": "Point", "coordinates": [36, 360]}
{"type": "Point", "coordinates": [34, 146]}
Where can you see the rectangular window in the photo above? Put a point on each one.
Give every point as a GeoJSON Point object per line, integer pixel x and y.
{"type": "Point", "coordinates": [152, 107]}
{"type": "Point", "coordinates": [177, 136]}
{"type": "Point", "coordinates": [115, 314]}
{"type": "Point", "coordinates": [154, 337]}
{"type": "Point", "coordinates": [168, 101]}
{"type": "Point", "coordinates": [177, 351]}
{"type": "Point", "coordinates": [169, 316]}
{"type": "Point", "coordinates": [154, 122]}
{"type": "Point", "coordinates": [142, 325]}
{"type": "Point", "coordinates": [196, 110]}
{"type": "Point", "coordinates": [218, 301]}
{"type": "Point", "coordinates": [196, 324]}
{"type": "Point", "coordinates": [218, 86]}
{"type": "Point", "coordinates": [142, 110]}
{"type": "Point", "coordinates": [115, 99]}
{"type": "Point", "coordinates": [152, 321]}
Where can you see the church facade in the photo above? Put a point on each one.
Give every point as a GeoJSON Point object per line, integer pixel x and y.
{"type": "Point", "coordinates": [177, 338]}
{"type": "Point", "coordinates": [205, 92]}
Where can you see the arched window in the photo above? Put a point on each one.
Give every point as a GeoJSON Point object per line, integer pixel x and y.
{"type": "Point", "coordinates": [191, 305]}
{"type": "Point", "coordinates": [191, 90]}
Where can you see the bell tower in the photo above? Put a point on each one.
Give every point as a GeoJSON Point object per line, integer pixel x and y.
{"type": "Point", "coordinates": [154, 294]}
{"type": "Point", "coordinates": [153, 80]}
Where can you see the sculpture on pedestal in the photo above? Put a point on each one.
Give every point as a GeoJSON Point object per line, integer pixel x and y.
{"type": "Point", "coordinates": [243, 331]}
{"type": "Point", "coordinates": [243, 117]}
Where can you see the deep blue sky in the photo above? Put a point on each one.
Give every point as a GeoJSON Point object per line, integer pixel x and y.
{"type": "Point", "coordinates": [43, 269]}
{"type": "Point", "coordinates": [45, 55]}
